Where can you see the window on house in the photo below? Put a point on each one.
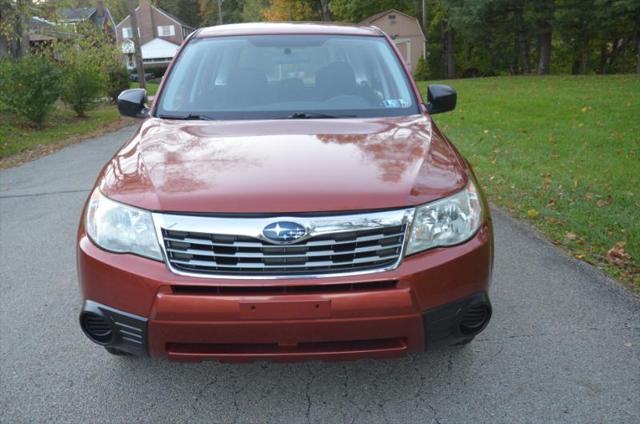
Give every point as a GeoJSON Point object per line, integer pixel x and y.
{"type": "Point", "coordinates": [127, 33]}
{"type": "Point", "coordinates": [166, 30]}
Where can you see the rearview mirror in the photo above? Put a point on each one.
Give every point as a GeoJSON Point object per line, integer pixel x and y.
{"type": "Point", "coordinates": [132, 103]}
{"type": "Point", "coordinates": [441, 98]}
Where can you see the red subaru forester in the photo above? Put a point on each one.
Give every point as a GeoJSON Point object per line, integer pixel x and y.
{"type": "Point", "coordinates": [286, 197]}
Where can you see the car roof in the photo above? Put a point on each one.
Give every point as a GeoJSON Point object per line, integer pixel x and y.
{"type": "Point", "coordinates": [264, 28]}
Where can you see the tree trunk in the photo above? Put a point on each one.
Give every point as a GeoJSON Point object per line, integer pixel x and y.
{"type": "Point", "coordinates": [618, 48]}
{"type": "Point", "coordinates": [324, 9]}
{"type": "Point", "coordinates": [443, 48]}
{"type": "Point", "coordinates": [638, 51]}
{"type": "Point", "coordinates": [136, 43]}
{"type": "Point", "coordinates": [5, 47]}
{"type": "Point", "coordinates": [544, 41]}
{"type": "Point", "coordinates": [521, 57]}
{"type": "Point", "coordinates": [584, 60]}
{"type": "Point", "coordinates": [525, 48]}
{"type": "Point", "coordinates": [448, 53]}
{"type": "Point", "coordinates": [602, 67]}
{"type": "Point", "coordinates": [451, 57]}
{"type": "Point", "coordinates": [22, 29]}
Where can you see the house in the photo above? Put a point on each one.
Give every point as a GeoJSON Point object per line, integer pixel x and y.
{"type": "Point", "coordinates": [99, 16]}
{"type": "Point", "coordinates": [404, 30]}
{"type": "Point", "coordinates": [160, 35]}
{"type": "Point", "coordinates": [42, 33]}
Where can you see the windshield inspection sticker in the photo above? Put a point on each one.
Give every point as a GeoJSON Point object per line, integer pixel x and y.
{"type": "Point", "coordinates": [395, 103]}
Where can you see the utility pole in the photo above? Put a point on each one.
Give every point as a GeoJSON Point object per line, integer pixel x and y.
{"type": "Point", "coordinates": [220, 12]}
{"type": "Point", "coordinates": [136, 43]}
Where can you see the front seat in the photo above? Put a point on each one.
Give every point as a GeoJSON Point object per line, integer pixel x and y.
{"type": "Point", "coordinates": [248, 87]}
{"type": "Point", "coordinates": [336, 79]}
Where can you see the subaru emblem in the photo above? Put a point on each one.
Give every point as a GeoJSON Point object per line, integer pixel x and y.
{"type": "Point", "coordinates": [284, 232]}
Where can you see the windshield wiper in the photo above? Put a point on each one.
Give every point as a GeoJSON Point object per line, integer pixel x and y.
{"type": "Point", "coordinates": [316, 115]}
{"type": "Point", "coordinates": [189, 117]}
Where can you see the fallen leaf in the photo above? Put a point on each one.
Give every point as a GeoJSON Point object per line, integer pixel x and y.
{"type": "Point", "coordinates": [570, 236]}
{"type": "Point", "coordinates": [617, 255]}
{"type": "Point", "coordinates": [551, 203]}
{"type": "Point", "coordinates": [603, 202]}
{"type": "Point", "coordinates": [584, 109]}
{"type": "Point", "coordinates": [532, 213]}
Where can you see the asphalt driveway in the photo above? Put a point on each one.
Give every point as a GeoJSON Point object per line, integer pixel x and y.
{"type": "Point", "coordinates": [564, 343]}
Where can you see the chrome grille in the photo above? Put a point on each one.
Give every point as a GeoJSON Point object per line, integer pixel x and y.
{"type": "Point", "coordinates": [235, 247]}
{"type": "Point", "coordinates": [348, 251]}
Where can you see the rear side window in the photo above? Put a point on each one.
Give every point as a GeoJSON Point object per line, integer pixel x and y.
{"type": "Point", "coordinates": [274, 76]}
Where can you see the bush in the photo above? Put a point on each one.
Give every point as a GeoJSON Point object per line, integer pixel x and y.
{"type": "Point", "coordinates": [117, 81]}
{"type": "Point", "coordinates": [87, 61]}
{"type": "Point", "coordinates": [421, 73]}
{"type": "Point", "coordinates": [30, 87]}
{"type": "Point", "coordinates": [82, 87]}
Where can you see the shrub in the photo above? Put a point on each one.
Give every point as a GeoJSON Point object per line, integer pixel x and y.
{"type": "Point", "coordinates": [117, 81]}
{"type": "Point", "coordinates": [30, 87]}
{"type": "Point", "coordinates": [87, 61]}
{"type": "Point", "coordinates": [82, 87]}
{"type": "Point", "coordinates": [421, 72]}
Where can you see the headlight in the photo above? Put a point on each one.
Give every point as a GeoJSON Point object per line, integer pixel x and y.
{"type": "Point", "coordinates": [121, 228]}
{"type": "Point", "coordinates": [446, 222]}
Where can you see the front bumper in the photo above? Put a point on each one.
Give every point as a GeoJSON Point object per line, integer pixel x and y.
{"type": "Point", "coordinates": [391, 313]}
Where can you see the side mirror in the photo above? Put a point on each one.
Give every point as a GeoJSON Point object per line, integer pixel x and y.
{"type": "Point", "coordinates": [441, 98]}
{"type": "Point", "coordinates": [132, 103]}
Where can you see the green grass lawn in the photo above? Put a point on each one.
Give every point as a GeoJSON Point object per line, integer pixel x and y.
{"type": "Point", "coordinates": [152, 87]}
{"type": "Point", "coordinates": [61, 126]}
{"type": "Point", "coordinates": [562, 152]}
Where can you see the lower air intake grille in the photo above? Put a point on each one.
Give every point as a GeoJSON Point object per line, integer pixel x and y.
{"type": "Point", "coordinates": [474, 318]}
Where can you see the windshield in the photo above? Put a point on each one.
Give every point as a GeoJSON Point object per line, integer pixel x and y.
{"type": "Point", "coordinates": [286, 76]}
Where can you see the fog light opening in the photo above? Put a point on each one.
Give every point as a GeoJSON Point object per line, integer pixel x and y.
{"type": "Point", "coordinates": [474, 319]}
{"type": "Point", "coordinates": [97, 328]}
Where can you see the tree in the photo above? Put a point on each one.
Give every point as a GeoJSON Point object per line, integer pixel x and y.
{"type": "Point", "coordinates": [186, 10]}
{"type": "Point", "coordinates": [357, 10]}
{"type": "Point", "coordinates": [290, 10]}
{"type": "Point", "coordinates": [543, 17]}
{"type": "Point", "coordinates": [252, 10]}
{"type": "Point", "coordinates": [214, 12]}
{"type": "Point", "coordinates": [577, 26]}
{"type": "Point", "coordinates": [617, 33]}
{"type": "Point", "coordinates": [325, 13]}
{"type": "Point", "coordinates": [14, 27]}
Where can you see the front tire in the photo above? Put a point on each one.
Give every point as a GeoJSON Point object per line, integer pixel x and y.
{"type": "Point", "coordinates": [463, 343]}
{"type": "Point", "coordinates": [116, 352]}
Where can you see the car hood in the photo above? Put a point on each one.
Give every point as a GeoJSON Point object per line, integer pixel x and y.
{"type": "Point", "coordinates": [284, 166]}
